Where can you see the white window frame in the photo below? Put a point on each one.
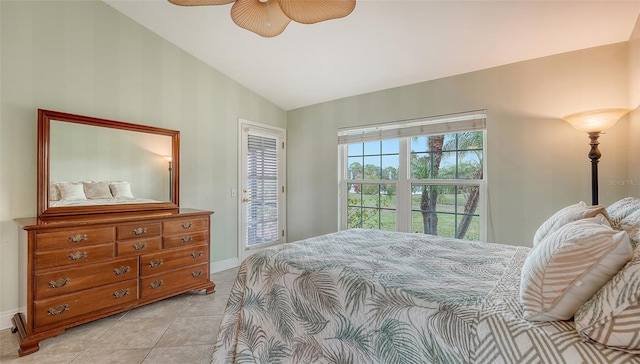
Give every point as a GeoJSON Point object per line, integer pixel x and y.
{"type": "Point", "coordinates": [404, 130]}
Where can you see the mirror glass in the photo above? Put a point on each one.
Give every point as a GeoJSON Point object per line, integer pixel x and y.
{"type": "Point", "coordinates": [91, 165]}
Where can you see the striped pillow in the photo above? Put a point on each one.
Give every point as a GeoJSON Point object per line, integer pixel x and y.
{"type": "Point", "coordinates": [621, 209]}
{"type": "Point", "coordinates": [569, 266]}
{"type": "Point", "coordinates": [566, 215]}
{"type": "Point", "coordinates": [612, 316]}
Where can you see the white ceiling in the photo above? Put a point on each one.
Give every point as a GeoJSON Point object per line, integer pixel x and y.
{"type": "Point", "coordinates": [384, 43]}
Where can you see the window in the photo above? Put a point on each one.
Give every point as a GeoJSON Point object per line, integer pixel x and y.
{"type": "Point", "coordinates": [423, 176]}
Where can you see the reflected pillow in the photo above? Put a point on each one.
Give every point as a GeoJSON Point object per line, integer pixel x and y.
{"type": "Point", "coordinates": [97, 190]}
{"type": "Point", "coordinates": [121, 190]}
{"type": "Point", "coordinates": [622, 208]}
{"type": "Point", "coordinates": [71, 191]}
{"type": "Point", "coordinates": [569, 266]}
{"type": "Point", "coordinates": [54, 192]}
{"type": "Point", "coordinates": [566, 215]}
{"type": "Point", "coordinates": [612, 316]}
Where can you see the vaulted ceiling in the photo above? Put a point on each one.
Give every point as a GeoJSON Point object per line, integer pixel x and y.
{"type": "Point", "coordinates": [384, 43]}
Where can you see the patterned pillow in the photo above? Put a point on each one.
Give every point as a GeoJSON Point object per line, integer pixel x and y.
{"type": "Point", "coordinates": [622, 208]}
{"type": "Point", "coordinates": [569, 266]}
{"type": "Point", "coordinates": [612, 316]}
{"type": "Point", "coordinates": [566, 215]}
{"type": "Point", "coordinates": [631, 224]}
{"type": "Point", "coordinates": [97, 190]}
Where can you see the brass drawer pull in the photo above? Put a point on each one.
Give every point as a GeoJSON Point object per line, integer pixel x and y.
{"type": "Point", "coordinates": [186, 225]}
{"type": "Point", "coordinates": [140, 231]}
{"type": "Point", "coordinates": [139, 246]}
{"type": "Point", "coordinates": [78, 238]}
{"type": "Point", "coordinates": [59, 283]}
{"type": "Point", "coordinates": [187, 239]}
{"type": "Point", "coordinates": [122, 270]}
{"type": "Point", "coordinates": [121, 293]}
{"type": "Point", "coordinates": [197, 273]}
{"type": "Point", "coordinates": [156, 284]}
{"type": "Point", "coordinates": [155, 263]}
{"type": "Point", "coordinates": [55, 311]}
{"type": "Point", "coordinates": [196, 255]}
{"type": "Point", "coordinates": [78, 255]}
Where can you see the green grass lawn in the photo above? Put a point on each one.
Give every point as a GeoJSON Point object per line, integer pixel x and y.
{"type": "Point", "coordinates": [385, 218]}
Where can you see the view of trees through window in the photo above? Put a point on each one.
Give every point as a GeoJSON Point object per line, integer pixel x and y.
{"type": "Point", "coordinates": [440, 184]}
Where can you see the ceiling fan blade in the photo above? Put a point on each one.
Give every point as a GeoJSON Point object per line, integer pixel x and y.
{"type": "Point", "coordinates": [265, 19]}
{"type": "Point", "coordinates": [200, 2]}
{"type": "Point", "coordinates": [313, 11]}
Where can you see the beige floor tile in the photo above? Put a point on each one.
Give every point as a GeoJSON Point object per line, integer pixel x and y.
{"type": "Point", "coordinates": [128, 356]}
{"type": "Point", "coordinates": [206, 305]}
{"type": "Point", "coordinates": [196, 354]}
{"type": "Point", "coordinates": [199, 330]}
{"type": "Point", "coordinates": [40, 358]}
{"type": "Point", "coordinates": [133, 334]}
{"type": "Point", "coordinates": [8, 343]}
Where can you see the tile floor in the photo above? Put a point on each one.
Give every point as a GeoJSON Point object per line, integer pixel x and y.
{"type": "Point", "coordinates": [181, 330]}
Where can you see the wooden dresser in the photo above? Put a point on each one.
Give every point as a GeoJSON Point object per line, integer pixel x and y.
{"type": "Point", "coordinates": [78, 269]}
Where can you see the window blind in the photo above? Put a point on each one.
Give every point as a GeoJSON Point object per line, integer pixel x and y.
{"type": "Point", "coordinates": [262, 186]}
{"type": "Point", "coordinates": [453, 123]}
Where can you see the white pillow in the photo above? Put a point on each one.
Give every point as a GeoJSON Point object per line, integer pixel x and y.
{"type": "Point", "coordinates": [97, 190]}
{"type": "Point", "coordinates": [569, 266]}
{"type": "Point", "coordinates": [71, 191]}
{"type": "Point", "coordinates": [121, 190]}
{"type": "Point", "coordinates": [622, 208]}
{"type": "Point", "coordinates": [566, 215]}
{"type": "Point", "coordinates": [612, 316]}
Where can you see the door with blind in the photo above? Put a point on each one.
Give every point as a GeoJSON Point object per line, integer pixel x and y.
{"type": "Point", "coordinates": [262, 187]}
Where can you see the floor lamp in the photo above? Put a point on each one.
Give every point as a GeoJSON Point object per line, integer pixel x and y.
{"type": "Point", "coordinates": [594, 122]}
{"type": "Point", "coordinates": [168, 159]}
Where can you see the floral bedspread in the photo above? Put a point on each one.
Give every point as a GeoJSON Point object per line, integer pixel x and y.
{"type": "Point", "coordinates": [360, 296]}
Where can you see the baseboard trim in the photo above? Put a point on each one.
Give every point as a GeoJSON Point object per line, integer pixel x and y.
{"type": "Point", "coordinates": [221, 265]}
{"type": "Point", "coordinates": [5, 318]}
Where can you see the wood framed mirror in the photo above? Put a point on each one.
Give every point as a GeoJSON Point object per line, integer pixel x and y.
{"type": "Point", "coordinates": [88, 165]}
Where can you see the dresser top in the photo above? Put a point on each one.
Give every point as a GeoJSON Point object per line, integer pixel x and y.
{"type": "Point", "coordinates": [33, 223]}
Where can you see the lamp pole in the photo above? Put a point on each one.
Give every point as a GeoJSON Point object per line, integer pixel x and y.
{"type": "Point", "coordinates": [594, 155]}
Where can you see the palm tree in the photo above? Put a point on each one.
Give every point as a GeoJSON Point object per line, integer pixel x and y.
{"type": "Point", "coordinates": [429, 168]}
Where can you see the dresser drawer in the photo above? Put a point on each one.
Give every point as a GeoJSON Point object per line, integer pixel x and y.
{"type": "Point", "coordinates": [93, 275]}
{"type": "Point", "coordinates": [185, 225]}
{"type": "Point", "coordinates": [138, 246]}
{"type": "Point", "coordinates": [64, 308]}
{"type": "Point", "coordinates": [68, 239]}
{"type": "Point", "coordinates": [188, 239]}
{"type": "Point", "coordinates": [79, 255]}
{"type": "Point", "coordinates": [138, 230]}
{"type": "Point", "coordinates": [176, 280]}
{"type": "Point", "coordinates": [172, 259]}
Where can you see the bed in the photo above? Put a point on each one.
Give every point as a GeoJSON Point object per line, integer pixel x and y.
{"type": "Point", "coordinates": [370, 296]}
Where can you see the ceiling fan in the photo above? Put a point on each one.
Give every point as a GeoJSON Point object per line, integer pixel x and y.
{"type": "Point", "coordinates": [269, 18]}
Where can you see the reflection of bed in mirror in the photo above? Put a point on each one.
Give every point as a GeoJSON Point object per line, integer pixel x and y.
{"type": "Point", "coordinates": [90, 193]}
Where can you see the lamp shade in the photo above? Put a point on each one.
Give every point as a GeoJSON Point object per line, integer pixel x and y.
{"type": "Point", "coordinates": [595, 120]}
